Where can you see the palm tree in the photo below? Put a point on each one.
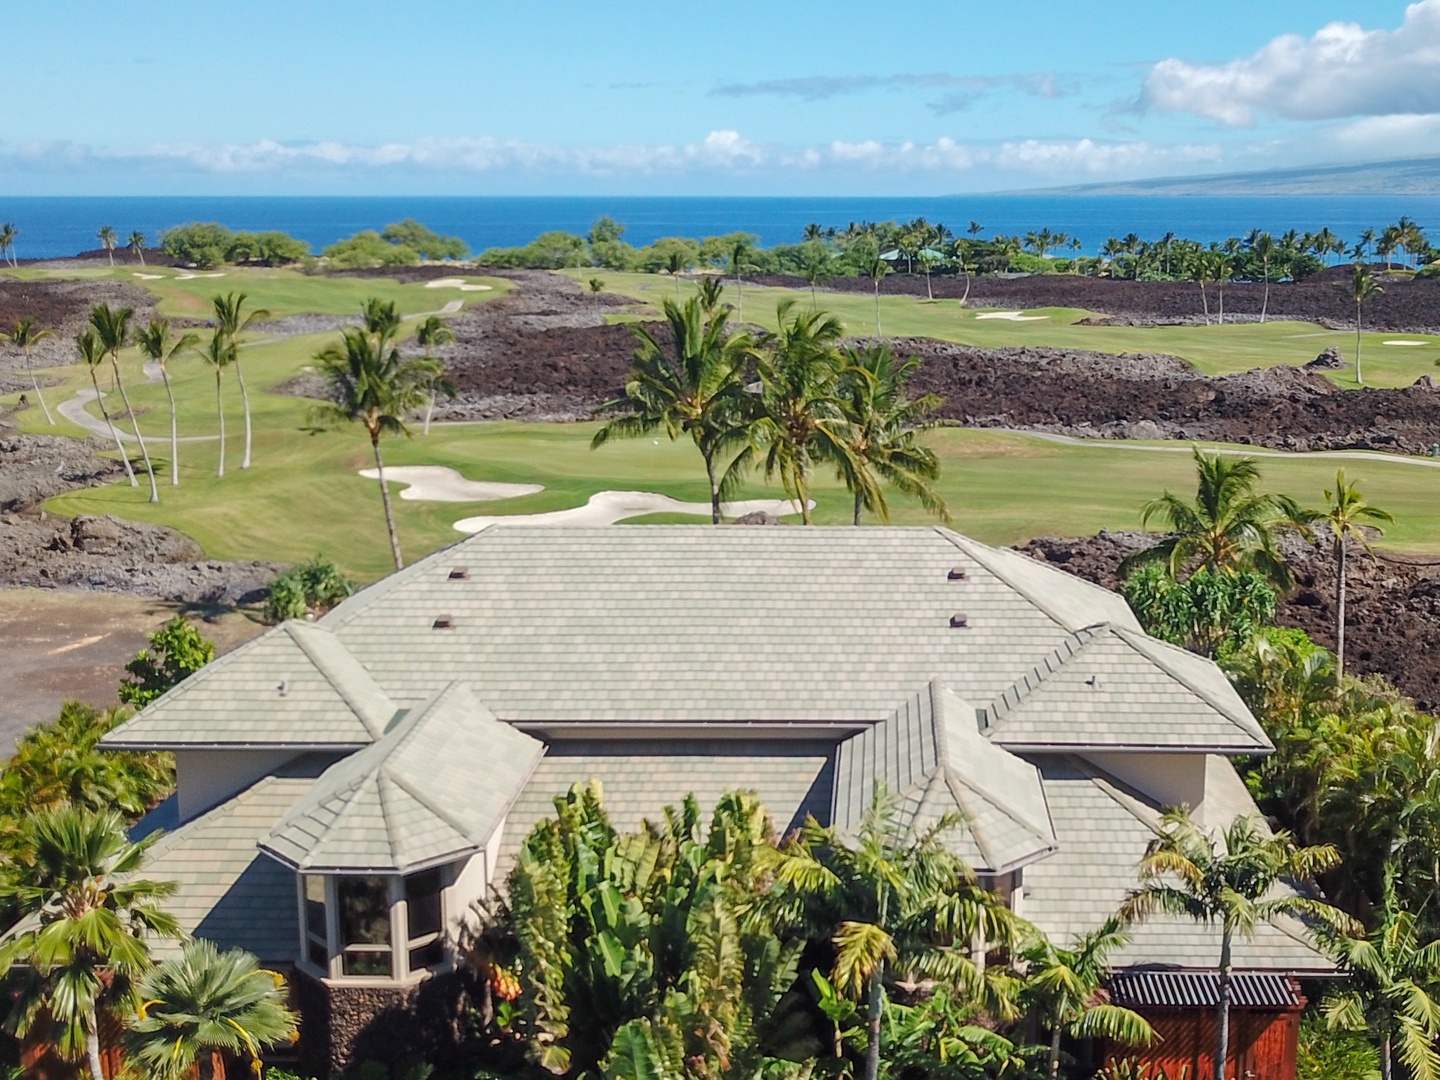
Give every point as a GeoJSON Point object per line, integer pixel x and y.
{"type": "Point", "coordinates": [883, 432]}
{"type": "Point", "coordinates": [738, 250]}
{"type": "Point", "coordinates": [25, 336]}
{"type": "Point", "coordinates": [675, 264]}
{"type": "Point", "coordinates": [367, 381]}
{"type": "Point", "coordinates": [875, 268]}
{"type": "Point", "coordinates": [1345, 509]}
{"type": "Point", "coordinates": [431, 334]}
{"type": "Point", "coordinates": [797, 420]}
{"type": "Point", "coordinates": [1201, 271]}
{"type": "Point", "coordinates": [154, 342]}
{"type": "Point", "coordinates": [231, 321]}
{"type": "Point", "coordinates": [1362, 286]}
{"type": "Point", "coordinates": [816, 269]}
{"type": "Point", "coordinates": [7, 242]}
{"type": "Point", "coordinates": [92, 355]}
{"type": "Point", "coordinates": [961, 251]}
{"type": "Point", "coordinates": [1229, 526]}
{"type": "Point", "coordinates": [1062, 990]}
{"type": "Point", "coordinates": [894, 904]}
{"type": "Point", "coordinates": [136, 244]}
{"type": "Point", "coordinates": [85, 947]}
{"type": "Point", "coordinates": [1263, 248]}
{"type": "Point", "coordinates": [709, 293]}
{"type": "Point", "coordinates": [202, 1005]}
{"type": "Point", "coordinates": [112, 330]}
{"type": "Point", "coordinates": [219, 354]}
{"type": "Point", "coordinates": [694, 387]}
{"type": "Point", "coordinates": [1390, 989]}
{"type": "Point", "coordinates": [379, 316]}
{"type": "Point", "coordinates": [108, 239]}
{"type": "Point", "coordinates": [1237, 881]}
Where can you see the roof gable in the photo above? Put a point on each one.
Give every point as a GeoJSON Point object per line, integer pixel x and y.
{"type": "Point", "coordinates": [931, 757]}
{"type": "Point", "coordinates": [294, 685]}
{"type": "Point", "coordinates": [432, 788]}
{"type": "Point", "coordinates": [1111, 686]}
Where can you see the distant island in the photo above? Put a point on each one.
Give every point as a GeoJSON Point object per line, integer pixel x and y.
{"type": "Point", "coordinates": [1407, 176]}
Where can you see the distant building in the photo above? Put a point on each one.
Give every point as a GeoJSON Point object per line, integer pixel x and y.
{"type": "Point", "coordinates": [347, 788]}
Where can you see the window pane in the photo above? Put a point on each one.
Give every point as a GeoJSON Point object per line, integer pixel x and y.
{"type": "Point", "coordinates": [364, 911]}
{"type": "Point", "coordinates": [315, 905]}
{"type": "Point", "coordinates": [422, 895]}
{"type": "Point", "coordinates": [427, 956]}
{"type": "Point", "coordinates": [317, 953]}
{"type": "Point", "coordinates": [367, 963]}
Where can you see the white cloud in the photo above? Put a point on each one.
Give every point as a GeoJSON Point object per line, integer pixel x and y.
{"type": "Point", "coordinates": [723, 151]}
{"type": "Point", "coordinates": [1343, 70]}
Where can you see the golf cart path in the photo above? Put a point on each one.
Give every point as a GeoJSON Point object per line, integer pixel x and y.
{"type": "Point", "coordinates": [1123, 444]}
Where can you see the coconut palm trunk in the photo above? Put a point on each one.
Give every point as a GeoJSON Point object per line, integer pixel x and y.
{"type": "Point", "coordinates": [245, 404]}
{"type": "Point", "coordinates": [714, 488]}
{"type": "Point", "coordinates": [385, 498]}
{"type": "Point", "coordinates": [220, 410]}
{"type": "Point", "coordinates": [1265, 303]}
{"type": "Point", "coordinates": [1340, 554]}
{"type": "Point", "coordinates": [92, 1052]}
{"type": "Point", "coordinates": [1222, 1009]}
{"type": "Point", "coordinates": [1205, 303]}
{"type": "Point", "coordinates": [877, 308]}
{"type": "Point", "coordinates": [1359, 379]}
{"type": "Point", "coordinates": [124, 458]}
{"type": "Point", "coordinates": [135, 423]}
{"type": "Point", "coordinates": [35, 384]}
{"type": "Point", "coordinates": [874, 1011]}
{"type": "Point", "coordinates": [966, 297]}
{"type": "Point", "coordinates": [174, 432]}
{"type": "Point", "coordinates": [859, 504]}
{"type": "Point", "coordinates": [429, 411]}
{"type": "Point", "coordinates": [1055, 1033]}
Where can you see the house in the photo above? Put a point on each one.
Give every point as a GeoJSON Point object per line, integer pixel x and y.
{"type": "Point", "coordinates": [347, 788]}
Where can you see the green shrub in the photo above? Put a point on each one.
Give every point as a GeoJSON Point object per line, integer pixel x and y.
{"type": "Point", "coordinates": [176, 650]}
{"type": "Point", "coordinates": [311, 588]}
{"type": "Point", "coordinates": [410, 233]}
{"type": "Point", "coordinates": [210, 244]}
{"type": "Point", "coordinates": [369, 249]}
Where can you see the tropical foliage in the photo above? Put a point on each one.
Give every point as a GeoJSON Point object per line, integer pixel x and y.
{"type": "Point", "coordinates": [176, 651]}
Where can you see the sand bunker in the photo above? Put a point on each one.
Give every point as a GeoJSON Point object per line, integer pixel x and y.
{"type": "Point", "coordinates": [608, 507]}
{"type": "Point", "coordinates": [1405, 342]}
{"type": "Point", "coordinates": [1012, 316]}
{"type": "Point", "coordinates": [438, 483]}
{"type": "Point", "coordinates": [190, 275]}
{"type": "Point", "coordinates": [456, 283]}
{"type": "Point", "coordinates": [148, 277]}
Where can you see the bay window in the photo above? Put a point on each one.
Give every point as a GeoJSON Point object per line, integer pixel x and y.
{"type": "Point", "coordinates": [373, 926]}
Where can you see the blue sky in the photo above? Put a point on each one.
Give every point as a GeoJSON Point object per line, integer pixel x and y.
{"type": "Point", "coordinates": [721, 97]}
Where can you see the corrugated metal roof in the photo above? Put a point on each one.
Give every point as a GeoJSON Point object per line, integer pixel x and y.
{"type": "Point", "coordinates": [1196, 989]}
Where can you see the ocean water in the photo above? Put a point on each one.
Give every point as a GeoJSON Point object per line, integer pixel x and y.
{"type": "Point", "coordinates": [56, 226]}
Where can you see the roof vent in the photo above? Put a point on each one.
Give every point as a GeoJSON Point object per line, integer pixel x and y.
{"type": "Point", "coordinates": [957, 574]}
{"type": "Point", "coordinates": [959, 620]}
{"type": "Point", "coordinates": [443, 622]}
{"type": "Point", "coordinates": [460, 573]}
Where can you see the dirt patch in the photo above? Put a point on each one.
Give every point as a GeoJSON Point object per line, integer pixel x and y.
{"type": "Point", "coordinates": [1089, 394]}
{"type": "Point", "coordinates": [56, 646]}
{"type": "Point", "coordinates": [1406, 305]}
{"type": "Point", "coordinates": [543, 351]}
{"type": "Point", "coordinates": [1392, 614]}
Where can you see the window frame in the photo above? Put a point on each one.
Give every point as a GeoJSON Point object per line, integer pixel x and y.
{"type": "Point", "coordinates": [401, 945]}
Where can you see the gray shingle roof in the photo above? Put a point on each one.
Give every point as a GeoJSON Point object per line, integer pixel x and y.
{"type": "Point", "coordinates": [1104, 827]}
{"type": "Point", "coordinates": [1109, 685]}
{"type": "Point", "coordinates": [931, 756]}
{"type": "Point", "coordinates": [431, 789]}
{"type": "Point", "coordinates": [229, 892]}
{"type": "Point", "coordinates": [697, 624]}
{"type": "Point", "coordinates": [328, 698]}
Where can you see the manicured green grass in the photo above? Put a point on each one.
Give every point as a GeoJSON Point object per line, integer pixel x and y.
{"type": "Point", "coordinates": [281, 292]}
{"type": "Point", "coordinates": [1215, 349]}
{"type": "Point", "coordinates": [303, 494]}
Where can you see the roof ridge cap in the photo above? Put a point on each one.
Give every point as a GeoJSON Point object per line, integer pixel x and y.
{"type": "Point", "coordinates": [351, 701]}
{"type": "Point", "coordinates": [1003, 804]}
{"type": "Point", "coordinates": [987, 560]}
{"type": "Point", "coordinates": [383, 784]}
{"type": "Point", "coordinates": [428, 804]}
{"type": "Point", "coordinates": [1061, 654]}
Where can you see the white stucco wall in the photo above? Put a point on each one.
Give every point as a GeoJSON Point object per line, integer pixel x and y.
{"type": "Point", "coordinates": [1169, 779]}
{"type": "Point", "coordinates": [206, 778]}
